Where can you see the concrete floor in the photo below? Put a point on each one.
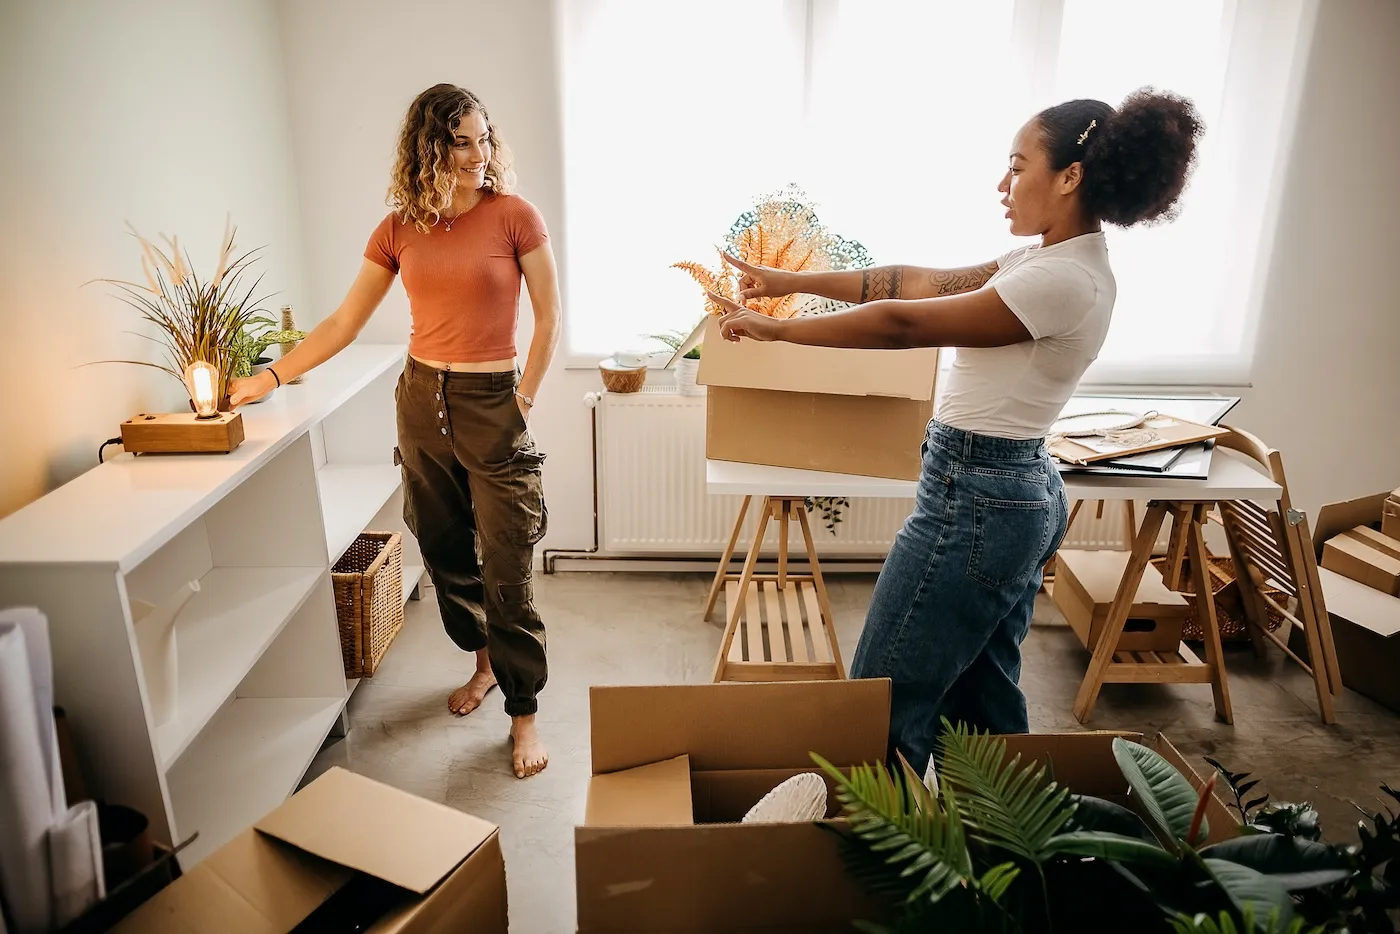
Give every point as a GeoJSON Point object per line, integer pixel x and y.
{"type": "Point", "coordinates": [646, 629]}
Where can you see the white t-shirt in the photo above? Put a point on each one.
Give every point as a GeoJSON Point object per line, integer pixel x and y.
{"type": "Point", "coordinates": [1064, 296]}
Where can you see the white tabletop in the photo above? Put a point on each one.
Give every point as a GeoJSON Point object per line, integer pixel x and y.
{"type": "Point", "coordinates": [122, 511]}
{"type": "Point", "coordinates": [1231, 477]}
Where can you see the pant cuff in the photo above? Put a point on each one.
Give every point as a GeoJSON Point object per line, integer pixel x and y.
{"type": "Point", "coordinates": [522, 707]}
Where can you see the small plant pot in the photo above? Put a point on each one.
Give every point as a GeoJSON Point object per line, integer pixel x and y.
{"type": "Point", "coordinates": [258, 366]}
{"type": "Point", "coordinates": [687, 368]}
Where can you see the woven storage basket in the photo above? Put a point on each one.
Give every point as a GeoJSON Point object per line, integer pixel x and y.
{"type": "Point", "coordinates": [368, 581]}
{"type": "Point", "coordinates": [617, 379]}
{"type": "Point", "coordinates": [1228, 611]}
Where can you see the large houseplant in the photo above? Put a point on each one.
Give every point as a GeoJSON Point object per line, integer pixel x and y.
{"type": "Point", "coordinates": [1000, 846]}
{"type": "Point", "coordinates": [195, 319]}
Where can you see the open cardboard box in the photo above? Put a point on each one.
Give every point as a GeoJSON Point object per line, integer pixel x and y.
{"type": "Point", "coordinates": [862, 412]}
{"type": "Point", "coordinates": [675, 768]}
{"type": "Point", "coordinates": [1365, 621]}
{"type": "Point", "coordinates": [344, 853]}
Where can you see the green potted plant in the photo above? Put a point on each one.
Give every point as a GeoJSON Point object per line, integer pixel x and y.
{"type": "Point", "coordinates": [250, 345]}
{"type": "Point", "coordinates": [195, 319]}
{"type": "Point", "coordinates": [688, 366]}
{"type": "Point", "coordinates": [1000, 846]}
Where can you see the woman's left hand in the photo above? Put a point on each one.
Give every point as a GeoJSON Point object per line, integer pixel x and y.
{"type": "Point", "coordinates": [739, 321]}
{"type": "Point", "coordinates": [524, 409]}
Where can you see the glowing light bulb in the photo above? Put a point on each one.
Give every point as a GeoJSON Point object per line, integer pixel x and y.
{"type": "Point", "coordinates": [202, 383]}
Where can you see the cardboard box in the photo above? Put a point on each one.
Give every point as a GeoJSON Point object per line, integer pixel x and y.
{"type": "Point", "coordinates": [862, 412]}
{"type": "Point", "coordinates": [343, 848]}
{"type": "Point", "coordinates": [675, 768]}
{"type": "Point", "coordinates": [1084, 587]}
{"type": "Point", "coordinates": [1390, 515]}
{"type": "Point", "coordinates": [1365, 622]}
{"type": "Point", "coordinates": [1357, 554]}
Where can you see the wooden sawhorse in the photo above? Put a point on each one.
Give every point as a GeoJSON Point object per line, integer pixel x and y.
{"type": "Point", "coordinates": [778, 626]}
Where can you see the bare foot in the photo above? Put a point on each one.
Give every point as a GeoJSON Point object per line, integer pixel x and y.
{"type": "Point", "coordinates": [469, 696]}
{"type": "Point", "coordinates": [529, 757]}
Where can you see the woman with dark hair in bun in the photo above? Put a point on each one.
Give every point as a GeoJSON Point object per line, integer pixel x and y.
{"type": "Point", "coordinates": [954, 599]}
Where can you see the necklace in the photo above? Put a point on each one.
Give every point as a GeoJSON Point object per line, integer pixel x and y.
{"type": "Point", "coordinates": [447, 224]}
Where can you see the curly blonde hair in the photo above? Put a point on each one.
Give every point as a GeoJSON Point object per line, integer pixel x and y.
{"type": "Point", "coordinates": [424, 175]}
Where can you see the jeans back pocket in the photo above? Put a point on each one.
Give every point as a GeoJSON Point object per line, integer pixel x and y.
{"type": "Point", "coordinates": [1009, 540]}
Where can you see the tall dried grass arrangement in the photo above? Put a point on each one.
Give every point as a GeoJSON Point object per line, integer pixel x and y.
{"type": "Point", "coordinates": [196, 319]}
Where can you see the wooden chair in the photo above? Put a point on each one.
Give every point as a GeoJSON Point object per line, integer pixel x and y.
{"type": "Point", "coordinates": [1270, 544]}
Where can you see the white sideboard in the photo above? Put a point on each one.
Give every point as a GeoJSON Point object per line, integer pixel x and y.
{"type": "Point", "coordinates": [260, 679]}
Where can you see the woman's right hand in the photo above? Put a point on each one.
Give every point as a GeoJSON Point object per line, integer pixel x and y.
{"type": "Point", "coordinates": [762, 281]}
{"type": "Point", "coordinates": [250, 389]}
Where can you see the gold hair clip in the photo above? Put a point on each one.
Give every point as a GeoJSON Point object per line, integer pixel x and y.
{"type": "Point", "coordinates": [1085, 135]}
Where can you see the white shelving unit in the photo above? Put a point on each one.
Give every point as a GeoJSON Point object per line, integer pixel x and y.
{"type": "Point", "coordinates": [260, 680]}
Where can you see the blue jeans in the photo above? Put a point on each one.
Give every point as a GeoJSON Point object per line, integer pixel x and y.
{"type": "Point", "coordinates": [954, 600]}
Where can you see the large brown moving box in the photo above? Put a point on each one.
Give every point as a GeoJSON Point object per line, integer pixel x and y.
{"type": "Point", "coordinates": [675, 768]}
{"type": "Point", "coordinates": [862, 412]}
{"type": "Point", "coordinates": [348, 847]}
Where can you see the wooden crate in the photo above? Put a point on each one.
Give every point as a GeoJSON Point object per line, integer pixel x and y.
{"type": "Point", "coordinates": [1085, 583]}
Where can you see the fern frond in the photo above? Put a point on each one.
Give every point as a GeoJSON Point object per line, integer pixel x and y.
{"type": "Point", "coordinates": [904, 844]}
{"type": "Point", "coordinates": [703, 276]}
{"type": "Point", "coordinates": [1009, 806]}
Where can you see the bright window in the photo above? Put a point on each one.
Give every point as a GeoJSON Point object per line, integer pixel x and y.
{"type": "Point", "coordinates": [895, 116]}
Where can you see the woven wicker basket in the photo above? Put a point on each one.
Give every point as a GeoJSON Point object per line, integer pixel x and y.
{"type": "Point", "coordinates": [1228, 611]}
{"type": "Point", "coordinates": [368, 581]}
{"type": "Point", "coordinates": [617, 379]}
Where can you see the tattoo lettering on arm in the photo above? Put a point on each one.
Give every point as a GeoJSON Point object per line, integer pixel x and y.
{"type": "Point", "coordinates": [956, 281]}
{"type": "Point", "coordinates": [880, 282]}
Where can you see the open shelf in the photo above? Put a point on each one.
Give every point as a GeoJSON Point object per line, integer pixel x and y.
{"type": "Point", "coordinates": [220, 635]}
{"type": "Point", "coordinates": [351, 496]}
{"type": "Point", "coordinates": [249, 762]}
{"type": "Point", "coordinates": [412, 574]}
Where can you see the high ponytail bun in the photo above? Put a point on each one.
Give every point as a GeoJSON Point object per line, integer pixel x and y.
{"type": "Point", "coordinates": [1136, 159]}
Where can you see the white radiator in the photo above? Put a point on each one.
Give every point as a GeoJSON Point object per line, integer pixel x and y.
{"type": "Point", "coordinates": [652, 498]}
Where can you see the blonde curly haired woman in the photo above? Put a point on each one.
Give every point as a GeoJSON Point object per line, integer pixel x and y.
{"type": "Point", "coordinates": [472, 481]}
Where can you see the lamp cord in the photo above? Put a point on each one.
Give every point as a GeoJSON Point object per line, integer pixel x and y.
{"type": "Point", "coordinates": [103, 446]}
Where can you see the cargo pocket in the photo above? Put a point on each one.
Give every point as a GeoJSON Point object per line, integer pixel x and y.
{"type": "Point", "coordinates": [1009, 537]}
{"type": "Point", "coordinates": [518, 594]}
{"type": "Point", "coordinates": [532, 518]}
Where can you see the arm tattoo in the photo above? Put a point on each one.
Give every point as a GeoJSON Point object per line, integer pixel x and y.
{"type": "Point", "coordinates": [880, 282]}
{"type": "Point", "coordinates": [955, 281]}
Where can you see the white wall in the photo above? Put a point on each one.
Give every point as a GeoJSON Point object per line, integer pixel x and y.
{"type": "Point", "coordinates": [164, 113]}
{"type": "Point", "coordinates": [1327, 375]}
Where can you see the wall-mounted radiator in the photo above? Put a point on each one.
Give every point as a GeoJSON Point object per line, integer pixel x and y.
{"type": "Point", "coordinates": [650, 481]}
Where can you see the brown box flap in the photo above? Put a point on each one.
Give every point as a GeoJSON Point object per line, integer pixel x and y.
{"type": "Point", "coordinates": [900, 374]}
{"type": "Point", "coordinates": [1081, 762]}
{"type": "Point", "coordinates": [1359, 604]}
{"type": "Point", "coordinates": [740, 726]}
{"type": "Point", "coordinates": [387, 833]}
{"type": "Point", "coordinates": [1336, 518]}
{"type": "Point", "coordinates": [252, 884]}
{"type": "Point", "coordinates": [656, 795]}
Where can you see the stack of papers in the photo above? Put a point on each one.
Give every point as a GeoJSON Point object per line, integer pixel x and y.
{"type": "Point", "coordinates": [1186, 461]}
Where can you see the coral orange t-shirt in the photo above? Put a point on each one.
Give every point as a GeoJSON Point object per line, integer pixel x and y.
{"type": "Point", "coordinates": [463, 284]}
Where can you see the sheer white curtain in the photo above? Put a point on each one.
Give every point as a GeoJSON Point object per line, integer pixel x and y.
{"type": "Point", "coordinates": [896, 116]}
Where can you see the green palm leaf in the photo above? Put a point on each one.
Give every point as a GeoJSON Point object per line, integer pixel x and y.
{"type": "Point", "coordinates": [1007, 805]}
{"type": "Point", "coordinates": [1168, 798]}
{"type": "Point", "coordinates": [906, 845]}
